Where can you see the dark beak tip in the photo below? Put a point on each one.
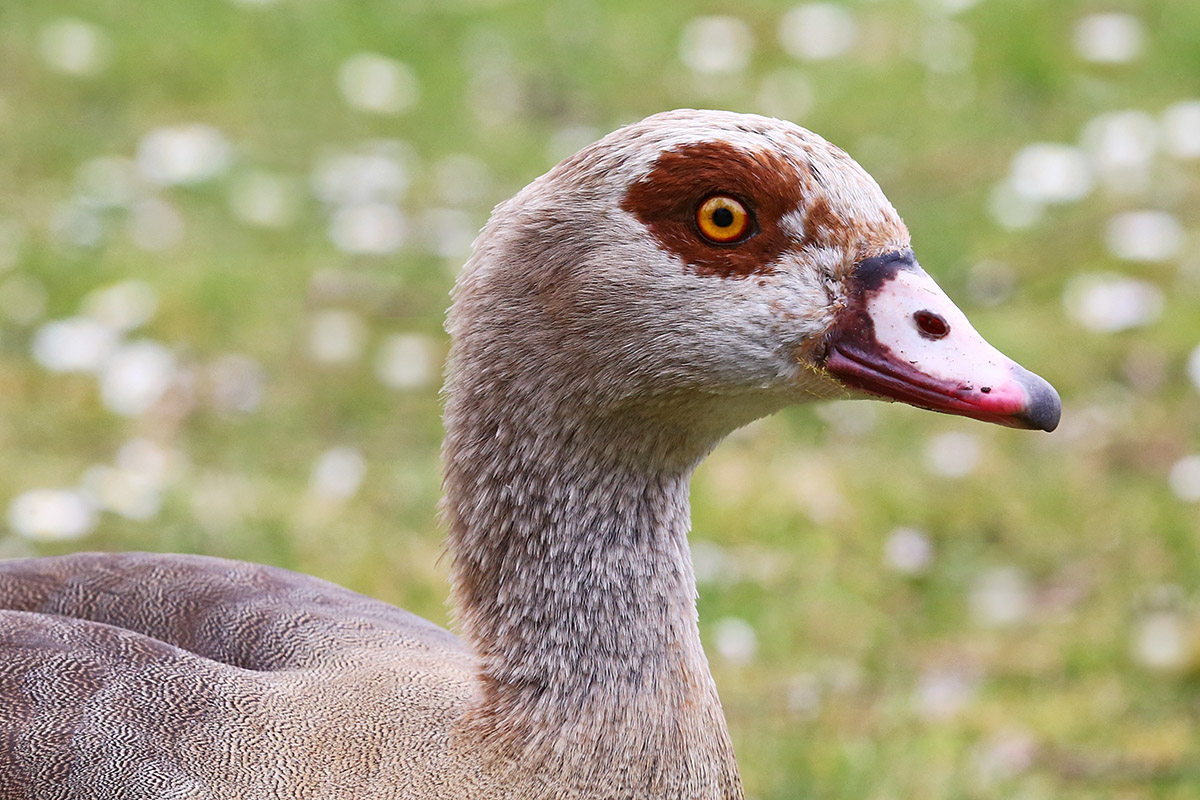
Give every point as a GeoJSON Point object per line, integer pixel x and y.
{"type": "Point", "coordinates": [1044, 409]}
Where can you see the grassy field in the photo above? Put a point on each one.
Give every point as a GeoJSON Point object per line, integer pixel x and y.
{"type": "Point", "coordinates": [227, 234]}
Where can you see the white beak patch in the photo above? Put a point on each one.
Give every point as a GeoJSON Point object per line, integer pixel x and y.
{"type": "Point", "coordinates": [901, 338]}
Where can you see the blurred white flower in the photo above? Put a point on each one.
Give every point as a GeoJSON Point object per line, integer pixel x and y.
{"type": "Point", "coordinates": [377, 84]}
{"type": "Point", "coordinates": [735, 640]}
{"type": "Point", "coordinates": [1109, 38]}
{"type": "Point", "coordinates": [1004, 757]}
{"type": "Point", "coordinates": [406, 361]}
{"type": "Point", "coordinates": [1181, 129]}
{"type": "Point", "coordinates": [1193, 367]}
{"type": "Point", "coordinates": [1107, 303]}
{"type": "Point", "coordinates": [51, 514]}
{"type": "Point", "coordinates": [336, 336]}
{"type": "Point", "coordinates": [908, 551]}
{"type": "Point", "coordinates": [135, 377]}
{"type": "Point", "coordinates": [1046, 172]}
{"type": "Point", "coordinates": [368, 229]}
{"type": "Point", "coordinates": [1011, 209]}
{"type": "Point", "coordinates": [337, 474]}
{"type": "Point", "coordinates": [108, 181]}
{"type": "Point", "coordinates": [379, 174]}
{"type": "Point", "coordinates": [1184, 478]}
{"type": "Point", "coordinates": [150, 460]}
{"type": "Point", "coordinates": [74, 47]}
{"type": "Point", "coordinates": [1163, 641]}
{"type": "Point", "coordinates": [942, 693]}
{"type": "Point", "coordinates": [953, 454]}
{"type": "Point", "coordinates": [1145, 235]}
{"type": "Point", "coordinates": [817, 31]}
{"type": "Point", "coordinates": [364, 188]}
{"type": "Point", "coordinates": [125, 493]}
{"type": "Point", "coordinates": [264, 200]}
{"type": "Point", "coordinates": [1001, 596]}
{"type": "Point", "coordinates": [122, 306]}
{"type": "Point", "coordinates": [1121, 146]}
{"type": "Point", "coordinates": [716, 45]}
{"type": "Point", "coordinates": [183, 154]}
{"type": "Point", "coordinates": [155, 225]}
{"type": "Point", "coordinates": [76, 344]}
{"type": "Point", "coordinates": [77, 224]}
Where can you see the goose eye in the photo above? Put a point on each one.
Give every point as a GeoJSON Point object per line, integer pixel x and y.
{"type": "Point", "coordinates": [723, 219]}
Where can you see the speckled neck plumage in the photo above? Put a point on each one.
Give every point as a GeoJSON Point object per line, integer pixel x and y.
{"type": "Point", "coordinates": [574, 585]}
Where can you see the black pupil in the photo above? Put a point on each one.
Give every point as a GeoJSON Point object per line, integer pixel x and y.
{"type": "Point", "coordinates": [722, 217]}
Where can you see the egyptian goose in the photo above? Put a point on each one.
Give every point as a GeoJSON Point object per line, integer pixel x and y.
{"type": "Point", "coordinates": [664, 286]}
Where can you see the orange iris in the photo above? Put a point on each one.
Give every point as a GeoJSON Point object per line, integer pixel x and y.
{"type": "Point", "coordinates": [723, 219]}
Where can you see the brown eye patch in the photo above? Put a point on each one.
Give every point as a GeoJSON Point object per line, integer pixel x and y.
{"type": "Point", "coordinates": [667, 200]}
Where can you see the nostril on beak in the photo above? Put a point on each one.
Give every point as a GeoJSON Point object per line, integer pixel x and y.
{"type": "Point", "coordinates": [931, 324]}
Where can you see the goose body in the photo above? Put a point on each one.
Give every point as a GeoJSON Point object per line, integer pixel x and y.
{"type": "Point", "coordinates": [666, 285]}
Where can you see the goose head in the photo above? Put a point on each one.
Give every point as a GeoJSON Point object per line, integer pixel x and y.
{"type": "Point", "coordinates": [714, 267]}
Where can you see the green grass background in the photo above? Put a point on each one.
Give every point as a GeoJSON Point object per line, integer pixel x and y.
{"type": "Point", "coordinates": [798, 508]}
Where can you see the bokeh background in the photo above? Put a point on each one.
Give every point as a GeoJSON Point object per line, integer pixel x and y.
{"type": "Point", "coordinates": [227, 234]}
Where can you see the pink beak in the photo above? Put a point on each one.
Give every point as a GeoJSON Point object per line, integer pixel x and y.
{"type": "Point", "coordinates": [901, 338]}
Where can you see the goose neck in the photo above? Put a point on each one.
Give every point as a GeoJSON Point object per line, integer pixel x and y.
{"type": "Point", "coordinates": [575, 586]}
